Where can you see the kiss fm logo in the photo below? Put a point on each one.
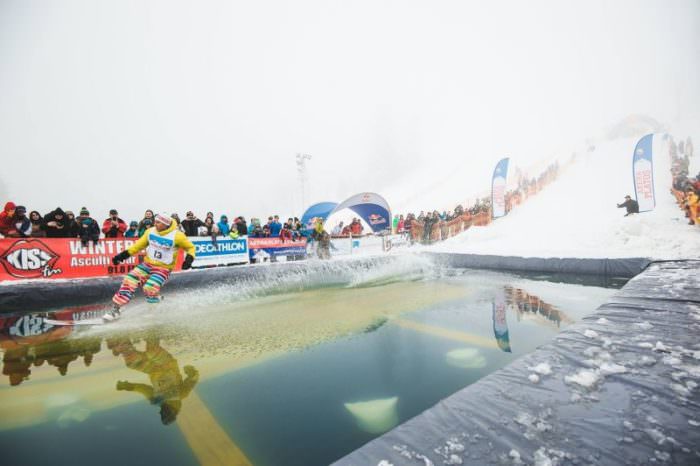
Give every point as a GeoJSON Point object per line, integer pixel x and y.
{"type": "Point", "coordinates": [29, 259]}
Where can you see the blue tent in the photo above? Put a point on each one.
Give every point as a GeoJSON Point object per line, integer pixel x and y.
{"type": "Point", "coordinates": [371, 207]}
{"type": "Point", "coordinates": [322, 210]}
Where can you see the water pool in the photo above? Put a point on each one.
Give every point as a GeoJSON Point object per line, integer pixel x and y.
{"type": "Point", "coordinates": [281, 374]}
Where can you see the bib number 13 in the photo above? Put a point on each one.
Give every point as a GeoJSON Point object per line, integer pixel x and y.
{"type": "Point", "coordinates": [157, 255]}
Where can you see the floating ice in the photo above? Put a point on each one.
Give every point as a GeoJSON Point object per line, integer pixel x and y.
{"type": "Point", "coordinates": [693, 423]}
{"type": "Point", "coordinates": [612, 368]}
{"type": "Point", "coordinates": [661, 347]}
{"type": "Point", "coordinates": [584, 378]}
{"type": "Point", "coordinates": [542, 368]}
{"type": "Point", "coordinates": [375, 416]}
{"type": "Point", "coordinates": [534, 378]}
{"type": "Point", "coordinates": [644, 325]}
{"type": "Point", "coordinates": [645, 345]}
{"type": "Point", "coordinates": [384, 463]}
{"type": "Point", "coordinates": [466, 358]}
{"type": "Point", "coordinates": [602, 321]}
{"type": "Point", "coordinates": [590, 333]}
{"type": "Point", "coordinates": [680, 389]}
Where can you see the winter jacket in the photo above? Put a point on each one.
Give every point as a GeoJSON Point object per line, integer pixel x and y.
{"type": "Point", "coordinates": [57, 228]}
{"type": "Point", "coordinates": [631, 205]}
{"type": "Point", "coordinates": [242, 228]}
{"type": "Point", "coordinates": [191, 226]}
{"type": "Point", "coordinates": [88, 229]}
{"type": "Point", "coordinates": [6, 218]}
{"type": "Point", "coordinates": [114, 231]}
{"type": "Point", "coordinates": [181, 242]}
{"type": "Point", "coordinates": [223, 225]}
{"type": "Point", "coordinates": [275, 228]}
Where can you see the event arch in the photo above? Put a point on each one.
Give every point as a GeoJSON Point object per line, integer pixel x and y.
{"type": "Point", "coordinates": [370, 207]}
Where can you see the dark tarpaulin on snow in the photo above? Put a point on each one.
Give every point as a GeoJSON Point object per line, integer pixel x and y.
{"type": "Point", "coordinates": [623, 389]}
{"type": "Point", "coordinates": [622, 268]}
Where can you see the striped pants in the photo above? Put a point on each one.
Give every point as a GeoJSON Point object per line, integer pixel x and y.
{"type": "Point", "coordinates": [149, 276]}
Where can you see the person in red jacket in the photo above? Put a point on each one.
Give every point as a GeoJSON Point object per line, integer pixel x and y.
{"type": "Point", "coordinates": [6, 223]}
{"type": "Point", "coordinates": [114, 227]}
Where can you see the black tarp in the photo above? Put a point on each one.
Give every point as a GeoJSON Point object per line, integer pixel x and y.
{"type": "Point", "coordinates": [608, 268]}
{"type": "Point", "coordinates": [623, 389]}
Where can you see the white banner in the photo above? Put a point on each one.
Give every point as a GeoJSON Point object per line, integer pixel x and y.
{"type": "Point", "coordinates": [222, 252]}
{"type": "Point", "coordinates": [498, 189]}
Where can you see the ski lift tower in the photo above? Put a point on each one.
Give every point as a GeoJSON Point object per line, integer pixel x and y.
{"type": "Point", "coordinates": [301, 170]}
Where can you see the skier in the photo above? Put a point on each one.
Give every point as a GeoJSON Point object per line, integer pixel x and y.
{"type": "Point", "coordinates": [161, 243]}
{"type": "Point", "coordinates": [631, 205]}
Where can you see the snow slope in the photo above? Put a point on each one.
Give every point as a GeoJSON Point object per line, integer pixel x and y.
{"type": "Point", "coordinates": [576, 216]}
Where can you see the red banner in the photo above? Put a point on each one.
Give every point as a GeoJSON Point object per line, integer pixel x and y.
{"type": "Point", "coordinates": [51, 258]}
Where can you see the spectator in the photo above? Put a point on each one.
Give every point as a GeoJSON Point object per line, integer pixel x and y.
{"type": "Point", "coordinates": [210, 228]}
{"type": "Point", "coordinates": [133, 231]}
{"type": "Point", "coordinates": [191, 224]}
{"type": "Point", "coordinates": [254, 229]}
{"type": "Point", "coordinates": [631, 205]}
{"type": "Point", "coordinates": [21, 226]}
{"type": "Point", "coordinates": [6, 218]}
{"type": "Point", "coordinates": [337, 230]}
{"type": "Point", "coordinates": [356, 227]}
{"type": "Point", "coordinates": [176, 217]}
{"type": "Point", "coordinates": [55, 224]}
{"type": "Point", "coordinates": [113, 226]}
{"type": "Point", "coordinates": [286, 232]}
{"type": "Point", "coordinates": [241, 226]}
{"type": "Point", "coordinates": [146, 222]}
{"type": "Point", "coordinates": [395, 224]}
{"type": "Point", "coordinates": [692, 201]}
{"type": "Point", "coordinates": [400, 225]}
{"type": "Point", "coordinates": [275, 226]}
{"type": "Point", "coordinates": [224, 228]}
{"type": "Point", "coordinates": [37, 224]}
{"type": "Point", "coordinates": [72, 225]}
{"type": "Point", "coordinates": [209, 215]}
{"type": "Point", "coordinates": [89, 230]}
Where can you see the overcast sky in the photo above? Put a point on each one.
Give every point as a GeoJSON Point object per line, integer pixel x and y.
{"type": "Point", "coordinates": [202, 105]}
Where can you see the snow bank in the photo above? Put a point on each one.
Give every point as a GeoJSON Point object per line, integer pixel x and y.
{"type": "Point", "coordinates": [576, 216]}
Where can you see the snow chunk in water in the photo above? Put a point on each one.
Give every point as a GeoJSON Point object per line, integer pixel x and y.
{"type": "Point", "coordinates": [542, 368]}
{"type": "Point", "coordinates": [384, 463]}
{"type": "Point", "coordinates": [602, 321]}
{"type": "Point", "coordinates": [584, 378]}
{"type": "Point", "coordinates": [661, 347]}
{"type": "Point", "coordinates": [588, 333]}
{"type": "Point", "coordinates": [534, 378]}
{"type": "Point", "coordinates": [612, 368]}
{"type": "Point", "coordinates": [644, 325]}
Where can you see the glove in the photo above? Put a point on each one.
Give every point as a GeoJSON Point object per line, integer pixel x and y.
{"type": "Point", "coordinates": [187, 263]}
{"type": "Point", "coordinates": [122, 256]}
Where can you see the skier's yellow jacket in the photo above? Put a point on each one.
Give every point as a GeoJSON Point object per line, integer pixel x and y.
{"type": "Point", "coordinates": [181, 242]}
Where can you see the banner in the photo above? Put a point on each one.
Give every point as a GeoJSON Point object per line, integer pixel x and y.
{"type": "Point", "coordinates": [30, 258]}
{"type": "Point", "coordinates": [500, 324]}
{"type": "Point", "coordinates": [261, 248]}
{"type": "Point", "coordinates": [643, 173]}
{"type": "Point", "coordinates": [498, 189]}
{"type": "Point", "coordinates": [224, 251]}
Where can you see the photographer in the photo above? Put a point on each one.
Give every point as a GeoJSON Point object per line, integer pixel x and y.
{"type": "Point", "coordinates": [114, 227]}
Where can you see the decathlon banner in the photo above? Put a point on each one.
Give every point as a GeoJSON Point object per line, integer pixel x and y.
{"type": "Point", "coordinates": [498, 189]}
{"type": "Point", "coordinates": [643, 169]}
{"type": "Point", "coordinates": [273, 247]}
{"type": "Point", "coordinates": [31, 258]}
{"type": "Point", "coordinates": [223, 251]}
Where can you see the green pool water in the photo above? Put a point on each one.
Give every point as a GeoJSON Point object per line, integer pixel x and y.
{"type": "Point", "coordinates": [283, 377]}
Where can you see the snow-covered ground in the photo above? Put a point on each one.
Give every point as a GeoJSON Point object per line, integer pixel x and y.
{"type": "Point", "coordinates": [576, 216]}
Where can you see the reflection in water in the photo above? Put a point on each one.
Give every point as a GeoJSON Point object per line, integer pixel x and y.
{"type": "Point", "coordinates": [57, 351]}
{"type": "Point", "coordinates": [167, 388]}
{"type": "Point", "coordinates": [375, 416]}
{"type": "Point", "coordinates": [527, 304]}
{"type": "Point", "coordinates": [500, 325]}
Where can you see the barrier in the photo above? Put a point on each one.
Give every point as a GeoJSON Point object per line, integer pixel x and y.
{"type": "Point", "coordinates": [56, 258]}
{"type": "Point", "coordinates": [224, 251]}
{"type": "Point", "coordinates": [263, 248]}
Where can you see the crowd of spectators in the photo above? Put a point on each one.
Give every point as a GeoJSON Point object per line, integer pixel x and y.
{"type": "Point", "coordinates": [685, 187]}
{"type": "Point", "coordinates": [59, 223]}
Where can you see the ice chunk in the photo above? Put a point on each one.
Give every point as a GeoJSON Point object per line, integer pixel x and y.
{"type": "Point", "coordinates": [680, 389]}
{"type": "Point", "coordinates": [661, 347]}
{"type": "Point", "coordinates": [534, 378]}
{"type": "Point", "coordinates": [645, 345]}
{"type": "Point", "coordinates": [542, 368]}
{"type": "Point", "coordinates": [584, 378]}
{"type": "Point", "coordinates": [453, 459]}
{"type": "Point", "coordinates": [466, 358]}
{"type": "Point", "coordinates": [375, 416]}
{"type": "Point", "coordinates": [693, 423]}
{"type": "Point", "coordinates": [644, 325]}
{"type": "Point", "coordinates": [541, 458]}
{"type": "Point", "coordinates": [612, 368]}
{"type": "Point", "coordinates": [602, 321]}
{"type": "Point", "coordinates": [590, 333]}
{"type": "Point", "coordinates": [384, 463]}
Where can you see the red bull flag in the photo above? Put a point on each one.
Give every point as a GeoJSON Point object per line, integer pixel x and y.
{"type": "Point", "coordinates": [643, 169]}
{"type": "Point", "coordinates": [498, 189]}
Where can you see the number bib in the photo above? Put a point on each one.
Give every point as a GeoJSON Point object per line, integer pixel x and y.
{"type": "Point", "coordinates": [161, 248]}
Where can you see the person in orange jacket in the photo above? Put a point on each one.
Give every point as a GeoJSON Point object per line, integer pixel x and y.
{"type": "Point", "coordinates": [691, 200]}
{"type": "Point", "coordinates": [114, 227]}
